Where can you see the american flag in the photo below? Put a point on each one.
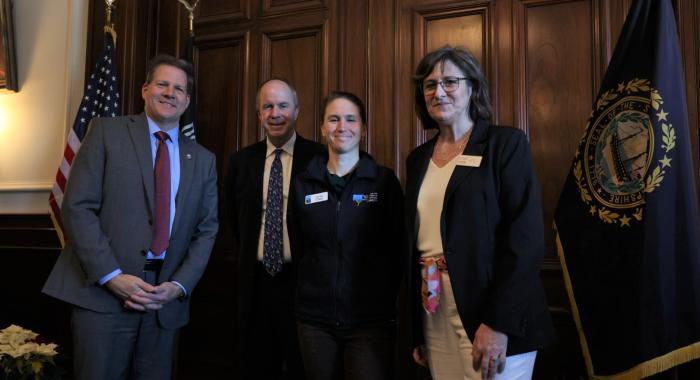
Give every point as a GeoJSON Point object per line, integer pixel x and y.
{"type": "Point", "coordinates": [101, 99]}
{"type": "Point", "coordinates": [187, 120]}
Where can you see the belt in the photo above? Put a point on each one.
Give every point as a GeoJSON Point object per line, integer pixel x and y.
{"type": "Point", "coordinates": [153, 265]}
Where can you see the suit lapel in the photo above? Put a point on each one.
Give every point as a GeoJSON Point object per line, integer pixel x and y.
{"type": "Point", "coordinates": [187, 159]}
{"type": "Point", "coordinates": [138, 130]}
{"type": "Point", "coordinates": [301, 155]}
{"type": "Point", "coordinates": [257, 168]}
{"type": "Point", "coordinates": [475, 147]}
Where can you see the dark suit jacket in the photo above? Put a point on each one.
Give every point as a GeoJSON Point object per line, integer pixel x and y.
{"type": "Point", "coordinates": [107, 212]}
{"type": "Point", "coordinates": [492, 237]}
{"type": "Point", "coordinates": [244, 184]}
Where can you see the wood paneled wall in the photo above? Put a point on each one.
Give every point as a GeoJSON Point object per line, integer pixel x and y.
{"type": "Point", "coordinates": [544, 58]}
{"type": "Point", "coordinates": [29, 247]}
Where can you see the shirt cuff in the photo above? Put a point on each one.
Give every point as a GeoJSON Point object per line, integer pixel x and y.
{"type": "Point", "coordinates": [184, 291]}
{"type": "Point", "coordinates": [110, 276]}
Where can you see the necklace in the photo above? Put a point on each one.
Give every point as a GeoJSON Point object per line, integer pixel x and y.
{"type": "Point", "coordinates": [444, 152]}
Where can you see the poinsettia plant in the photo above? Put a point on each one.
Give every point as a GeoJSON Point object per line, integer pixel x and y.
{"type": "Point", "coordinates": [23, 355]}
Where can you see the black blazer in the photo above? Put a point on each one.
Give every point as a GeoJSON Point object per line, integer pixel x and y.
{"type": "Point", "coordinates": [492, 237]}
{"type": "Point", "coordinates": [244, 184]}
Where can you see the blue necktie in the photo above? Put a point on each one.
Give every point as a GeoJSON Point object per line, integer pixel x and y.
{"type": "Point", "coordinates": [272, 250]}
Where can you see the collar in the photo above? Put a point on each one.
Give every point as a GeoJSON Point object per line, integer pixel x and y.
{"type": "Point", "coordinates": [153, 128]}
{"type": "Point", "coordinates": [288, 147]}
{"type": "Point", "coordinates": [317, 170]}
{"type": "Point", "coordinates": [479, 132]}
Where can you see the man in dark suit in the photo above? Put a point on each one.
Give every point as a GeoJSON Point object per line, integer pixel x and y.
{"type": "Point", "coordinates": [257, 186]}
{"type": "Point", "coordinates": [140, 211]}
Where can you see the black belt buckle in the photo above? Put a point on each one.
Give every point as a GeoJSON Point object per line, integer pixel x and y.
{"type": "Point", "coordinates": [153, 265]}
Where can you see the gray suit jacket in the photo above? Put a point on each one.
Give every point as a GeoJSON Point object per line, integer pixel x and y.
{"type": "Point", "coordinates": [107, 213]}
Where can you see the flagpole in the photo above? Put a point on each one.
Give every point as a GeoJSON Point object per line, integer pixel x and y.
{"type": "Point", "coordinates": [100, 99]}
{"type": "Point", "coordinates": [190, 8]}
{"type": "Point", "coordinates": [187, 120]}
{"type": "Point", "coordinates": [109, 25]}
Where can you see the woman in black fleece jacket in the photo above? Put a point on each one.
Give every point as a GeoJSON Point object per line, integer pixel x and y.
{"type": "Point", "coordinates": [346, 218]}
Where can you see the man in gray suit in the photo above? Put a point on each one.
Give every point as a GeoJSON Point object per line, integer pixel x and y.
{"type": "Point", "coordinates": [140, 212]}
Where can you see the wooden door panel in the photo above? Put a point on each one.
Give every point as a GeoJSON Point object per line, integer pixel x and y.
{"type": "Point", "coordinates": [447, 24]}
{"type": "Point", "coordinates": [558, 62]}
{"type": "Point", "coordinates": [218, 12]}
{"type": "Point", "coordinates": [466, 30]}
{"type": "Point", "coordinates": [298, 56]}
{"type": "Point", "coordinates": [221, 82]}
{"type": "Point", "coordinates": [385, 134]}
{"type": "Point", "coordinates": [291, 7]}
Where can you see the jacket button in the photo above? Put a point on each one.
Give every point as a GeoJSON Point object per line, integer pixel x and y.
{"type": "Point", "coordinates": [448, 252]}
{"type": "Point", "coordinates": [150, 222]}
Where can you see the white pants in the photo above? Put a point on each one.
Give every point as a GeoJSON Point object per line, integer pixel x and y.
{"type": "Point", "coordinates": [449, 349]}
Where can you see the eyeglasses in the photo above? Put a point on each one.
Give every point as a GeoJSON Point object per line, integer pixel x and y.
{"type": "Point", "coordinates": [449, 84]}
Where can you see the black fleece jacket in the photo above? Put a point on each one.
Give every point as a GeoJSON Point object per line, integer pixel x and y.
{"type": "Point", "coordinates": [352, 245]}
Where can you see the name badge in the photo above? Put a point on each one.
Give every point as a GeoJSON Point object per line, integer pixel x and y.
{"type": "Point", "coordinates": [467, 160]}
{"type": "Point", "coordinates": [315, 198]}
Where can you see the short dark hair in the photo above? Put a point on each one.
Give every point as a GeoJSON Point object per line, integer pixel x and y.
{"type": "Point", "coordinates": [165, 59]}
{"type": "Point", "coordinates": [479, 103]}
{"type": "Point", "coordinates": [354, 99]}
{"type": "Point", "coordinates": [283, 80]}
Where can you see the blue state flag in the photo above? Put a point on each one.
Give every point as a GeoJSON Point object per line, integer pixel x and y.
{"type": "Point", "coordinates": [628, 230]}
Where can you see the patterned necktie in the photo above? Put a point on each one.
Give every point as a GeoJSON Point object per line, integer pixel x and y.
{"type": "Point", "coordinates": [161, 173]}
{"type": "Point", "coordinates": [272, 250]}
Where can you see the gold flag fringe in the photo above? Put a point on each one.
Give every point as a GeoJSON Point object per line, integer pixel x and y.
{"type": "Point", "coordinates": [641, 370]}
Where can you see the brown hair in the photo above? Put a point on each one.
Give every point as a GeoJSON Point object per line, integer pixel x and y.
{"type": "Point", "coordinates": [165, 59]}
{"type": "Point", "coordinates": [479, 103]}
{"type": "Point", "coordinates": [347, 96]}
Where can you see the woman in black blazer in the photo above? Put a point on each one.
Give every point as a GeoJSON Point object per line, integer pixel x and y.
{"type": "Point", "coordinates": [473, 207]}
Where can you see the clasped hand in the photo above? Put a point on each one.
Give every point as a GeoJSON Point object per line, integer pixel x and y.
{"type": "Point", "coordinates": [141, 296]}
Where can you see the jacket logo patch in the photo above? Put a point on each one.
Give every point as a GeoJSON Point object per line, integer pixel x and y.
{"type": "Point", "coordinates": [361, 198]}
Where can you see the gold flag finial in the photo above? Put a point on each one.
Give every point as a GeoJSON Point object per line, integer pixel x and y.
{"type": "Point", "coordinates": [109, 26]}
{"type": "Point", "coordinates": [190, 6]}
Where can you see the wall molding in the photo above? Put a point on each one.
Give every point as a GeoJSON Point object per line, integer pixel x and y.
{"type": "Point", "coordinates": [26, 186]}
